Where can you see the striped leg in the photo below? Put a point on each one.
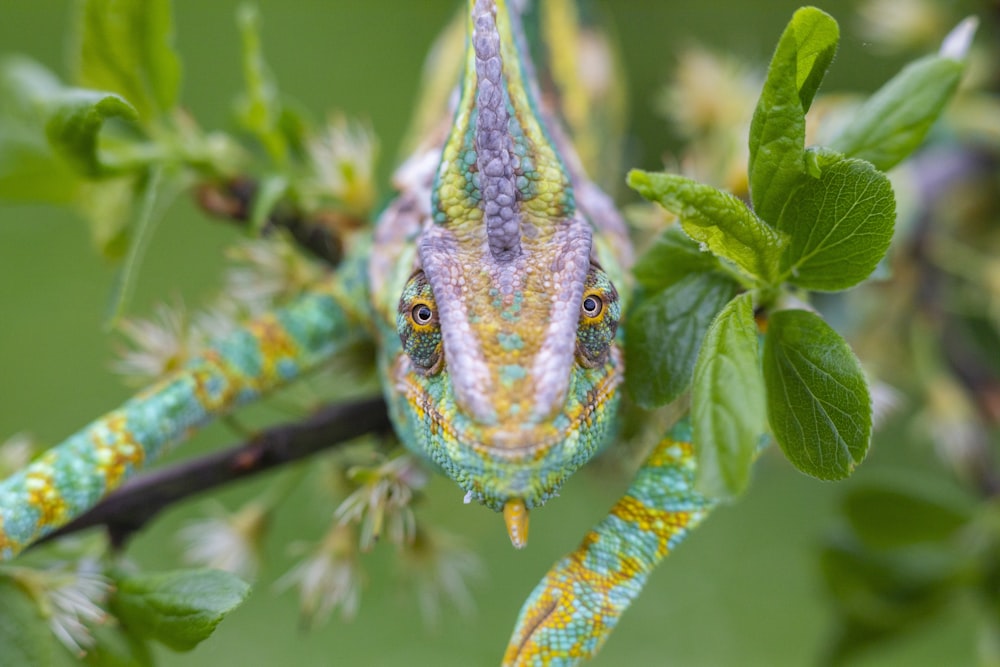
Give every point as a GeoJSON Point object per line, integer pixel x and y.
{"type": "Point", "coordinates": [270, 351]}
{"type": "Point", "coordinates": [575, 607]}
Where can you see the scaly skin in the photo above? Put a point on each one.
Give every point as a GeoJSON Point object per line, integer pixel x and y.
{"type": "Point", "coordinates": [575, 607]}
{"type": "Point", "coordinates": [506, 231]}
{"type": "Point", "coordinates": [271, 351]}
{"type": "Point", "coordinates": [492, 293]}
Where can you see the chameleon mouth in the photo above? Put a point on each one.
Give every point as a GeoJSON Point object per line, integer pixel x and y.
{"type": "Point", "coordinates": [511, 444]}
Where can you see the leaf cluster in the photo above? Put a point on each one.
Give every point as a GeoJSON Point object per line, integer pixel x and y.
{"type": "Point", "coordinates": [116, 143]}
{"type": "Point", "coordinates": [178, 609]}
{"type": "Point", "coordinates": [909, 551]}
{"type": "Point", "coordinates": [722, 302]}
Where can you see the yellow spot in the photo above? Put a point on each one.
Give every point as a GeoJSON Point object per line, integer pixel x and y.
{"type": "Point", "coordinates": [275, 346]}
{"type": "Point", "coordinates": [6, 542]}
{"type": "Point", "coordinates": [515, 515]}
{"type": "Point", "coordinates": [44, 497]}
{"type": "Point", "coordinates": [117, 451]}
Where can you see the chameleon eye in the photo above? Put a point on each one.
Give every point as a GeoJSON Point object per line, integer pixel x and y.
{"type": "Point", "coordinates": [417, 325]}
{"type": "Point", "coordinates": [599, 313]}
{"type": "Point", "coordinates": [422, 314]}
{"type": "Point", "coordinates": [592, 305]}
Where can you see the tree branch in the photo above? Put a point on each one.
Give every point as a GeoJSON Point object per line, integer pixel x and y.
{"type": "Point", "coordinates": [319, 232]}
{"type": "Point", "coordinates": [131, 507]}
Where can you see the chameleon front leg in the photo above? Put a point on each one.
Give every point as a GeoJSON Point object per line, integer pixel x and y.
{"type": "Point", "coordinates": [571, 612]}
{"type": "Point", "coordinates": [268, 352]}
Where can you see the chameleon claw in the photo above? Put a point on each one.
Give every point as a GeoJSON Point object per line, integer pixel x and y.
{"type": "Point", "coordinates": [515, 515]}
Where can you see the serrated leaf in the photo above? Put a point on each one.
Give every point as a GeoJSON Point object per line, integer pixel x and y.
{"type": "Point", "coordinates": [672, 256]}
{"type": "Point", "coordinates": [886, 517]}
{"type": "Point", "coordinates": [75, 122]}
{"type": "Point", "coordinates": [260, 110]}
{"type": "Point", "coordinates": [896, 118]}
{"type": "Point", "coordinates": [664, 334]}
{"type": "Point", "coordinates": [179, 609]}
{"type": "Point", "coordinates": [25, 639]}
{"type": "Point", "coordinates": [818, 403]}
{"type": "Point", "coordinates": [727, 401]}
{"type": "Point", "coordinates": [777, 131]}
{"type": "Point", "coordinates": [839, 225]}
{"type": "Point", "coordinates": [718, 219]}
{"type": "Point", "coordinates": [126, 47]}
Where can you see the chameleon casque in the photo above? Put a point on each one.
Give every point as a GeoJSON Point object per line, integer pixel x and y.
{"type": "Point", "coordinates": [491, 286]}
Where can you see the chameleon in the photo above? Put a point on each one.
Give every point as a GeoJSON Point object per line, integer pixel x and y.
{"type": "Point", "coordinates": [493, 286]}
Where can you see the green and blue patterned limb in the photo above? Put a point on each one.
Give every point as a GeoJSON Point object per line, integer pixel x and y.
{"type": "Point", "coordinates": [267, 353]}
{"type": "Point", "coordinates": [571, 612]}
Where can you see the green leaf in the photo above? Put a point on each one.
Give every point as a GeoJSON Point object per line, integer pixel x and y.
{"type": "Point", "coordinates": [108, 205]}
{"type": "Point", "coordinates": [727, 401]}
{"type": "Point", "coordinates": [114, 646]}
{"type": "Point", "coordinates": [887, 517]}
{"type": "Point", "coordinates": [180, 608]}
{"type": "Point", "coordinates": [260, 110]}
{"type": "Point", "coordinates": [664, 335]}
{"type": "Point", "coordinates": [76, 121]}
{"type": "Point", "coordinates": [840, 224]}
{"type": "Point", "coordinates": [268, 195]}
{"type": "Point", "coordinates": [126, 47]}
{"type": "Point", "coordinates": [887, 591]}
{"type": "Point", "coordinates": [717, 219]}
{"type": "Point", "coordinates": [877, 597]}
{"type": "Point", "coordinates": [777, 132]}
{"type": "Point", "coordinates": [672, 256]}
{"type": "Point", "coordinates": [25, 639]}
{"type": "Point", "coordinates": [896, 118]}
{"type": "Point", "coordinates": [818, 402]}
{"type": "Point", "coordinates": [29, 170]}
{"type": "Point", "coordinates": [816, 35]}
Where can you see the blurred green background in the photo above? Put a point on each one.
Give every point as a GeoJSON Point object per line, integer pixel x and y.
{"type": "Point", "coordinates": [744, 590]}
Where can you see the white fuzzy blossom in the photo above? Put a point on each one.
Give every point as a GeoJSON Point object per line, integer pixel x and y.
{"type": "Point", "coordinates": [381, 503]}
{"type": "Point", "coordinates": [329, 578]}
{"type": "Point", "coordinates": [267, 272]}
{"type": "Point", "coordinates": [71, 596]}
{"type": "Point", "coordinates": [224, 541]}
{"type": "Point", "coordinates": [15, 453]}
{"type": "Point", "coordinates": [155, 346]}
{"type": "Point", "coordinates": [439, 567]}
{"type": "Point", "coordinates": [76, 604]}
{"type": "Point", "coordinates": [343, 161]}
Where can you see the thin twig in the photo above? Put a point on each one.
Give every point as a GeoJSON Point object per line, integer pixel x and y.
{"type": "Point", "coordinates": [319, 233]}
{"type": "Point", "coordinates": [131, 507]}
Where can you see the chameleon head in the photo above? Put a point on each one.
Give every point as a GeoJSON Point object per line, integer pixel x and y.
{"type": "Point", "coordinates": [509, 367]}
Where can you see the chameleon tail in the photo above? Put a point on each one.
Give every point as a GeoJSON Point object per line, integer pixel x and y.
{"type": "Point", "coordinates": [271, 350]}
{"type": "Point", "coordinates": [575, 607]}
